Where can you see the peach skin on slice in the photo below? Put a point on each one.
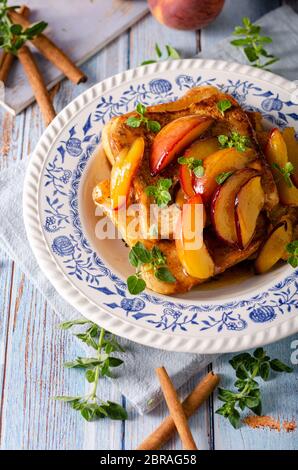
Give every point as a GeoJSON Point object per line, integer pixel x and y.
{"type": "Point", "coordinates": [173, 138]}
{"type": "Point", "coordinates": [124, 170]}
{"type": "Point", "coordinates": [223, 204]}
{"type": "Point", "coordinates": [219, 162]}
{"type": "Point", "coordinates": [196, 260]}
{"type": "Point", "coordinates": [292, 148]}
{"type": "Point", "coordinates": [274, 247]}
{"type": "Point", "coordinates": [199, 150]}
{"type": "Point", "coordinates": [248, 205]}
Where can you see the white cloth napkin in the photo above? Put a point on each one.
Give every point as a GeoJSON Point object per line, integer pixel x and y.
{"type": "Point", "coordinates": [281, 25]}
{"type": "Point", "coordinates": [137, 379]}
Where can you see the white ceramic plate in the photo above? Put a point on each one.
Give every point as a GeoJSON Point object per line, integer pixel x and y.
{"type": "Point", "coordinates": [90, 274]}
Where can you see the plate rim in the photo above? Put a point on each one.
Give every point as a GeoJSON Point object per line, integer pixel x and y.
{"type": "Point", "coordinates": [75, 297]}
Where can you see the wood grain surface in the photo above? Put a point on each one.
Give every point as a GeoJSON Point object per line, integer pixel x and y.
{"type": "Point", "coordinates": [33, 349]}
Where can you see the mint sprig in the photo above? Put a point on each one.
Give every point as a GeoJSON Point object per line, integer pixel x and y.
{"type": "Point", "coordinates": [253, 44]}
{"type": "Point", "coordinates": [137, 121]}
{"type": "Point", "coordinates": [160, 191]}
{"type": "Point", "coordinates": [292, 249]}
{"type": "Point", "coordinates": [224, 105]}
{"type": "Point", "coordinates": [286, 172]}
{"type": "Point", "coordinates": [91, 406]}
{"type": "Point", "coordinates": [248, 395]}
{"type": "Point", "coordinates": [170, 53]}
{"type": "Point", "coordinates": [240, 142]}
{"type": "Point", "coordinates": [151, 260]}
{"type": "Point", "coordinates": [194, 164]}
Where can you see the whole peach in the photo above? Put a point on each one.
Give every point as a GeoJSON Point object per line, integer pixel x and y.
{"type": "Point", "coordinates": [185, 14]}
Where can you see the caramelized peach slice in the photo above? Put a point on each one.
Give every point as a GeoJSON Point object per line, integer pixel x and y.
{"type": "Point", "coordinates": [191, 250]}
{"type": "Point", "coordinates": [124, 170]}
{"type": "Point", "coordinates": [274, 247]}
{"type": "Point", "coordinates": [277, 154]}
{"type": "Point", "coordinates": [219, 162]}
{"type": "Point", "coordinates": [248, 205]}
{"type": "Point", "coordinates": [292, 148]}
{"type": "Point", "coordinates": [198, 150]}
{"type": "Point", "coordinates": [276, 149]}
{"type": "Point", "coordinates": [194, 95]}
{"type": "Point", "coordinates": [101, 192]}
{"type": "Point", "coordinates": [223, 204]}
{"type": "Point", "coordinates": [173, 138]}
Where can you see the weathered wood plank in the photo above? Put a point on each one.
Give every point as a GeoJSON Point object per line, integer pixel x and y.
{"type": "Point", "coordinates": [280, 402]}
{"type": "Point", "coordinates": [231, 16]}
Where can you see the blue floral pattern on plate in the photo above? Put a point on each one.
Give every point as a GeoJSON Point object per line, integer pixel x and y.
{"type": "Point", "coordinates": [68, 241]}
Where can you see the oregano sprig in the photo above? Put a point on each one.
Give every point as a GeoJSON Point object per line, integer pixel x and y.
{"type": "Point", "coordinates": [160, 191]}
{"type": "Point", "coordinates": [13, 36]}
{"type": "Point", "coordinates": [170, 52]}
{"type": "Point", "coordinates": [253, 44]}
{"type": "Point", "coordinates": [240, 142]}
{"type": "Point", "coordinates": [224, 105]}
{"type": "Point", "coordinates": [91, 406]}
{"type": "Point", "coordinates": [151, 260]}
{"type": "Point", "coordinates": [248, 367]}
{"type": "Point", "coordinates": [194, 164]}
{"type": "Point", "coordinates": [137, 121]}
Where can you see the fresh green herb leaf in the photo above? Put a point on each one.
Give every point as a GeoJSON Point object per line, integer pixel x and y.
{"type": "Point", "coordinates": [240, 142]}
{"type": "Point", "coordinates": [286, 172]}
{"type": "Point", "coordinates": [222, 177]}
{"type": "Point", "coordinates": [154, 260]}
{"type": "Point", "coordinates": [135, 285]}
{"type": "Point", "coordinates": [137, 121]}
{"type": "Point", "coordinates": [279, 366]}
{"type": "Point", "coordinates": [252, 44]}
{"type": "Point", "coordinates": [292, 249]}
{"type": "Point", "coordinates": [248, 394]}
{"type": "Point", "coordinates": [160, 191]}
{"type": "Point", "coordinates": [171, 53]}
{"type": "Point", "coordinates": [223, 105]}
{"type": "Point", "coordinates": [164, 274]}
{"type": "Point", "coordinates": [14, 36]}
{"type": "Point", "coordinates": [91, 406]}
{"type": "Point", "coordinates": [194, 164]}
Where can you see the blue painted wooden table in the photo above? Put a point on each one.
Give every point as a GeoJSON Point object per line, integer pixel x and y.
{"type": "Point", "coordinates": [33, 349]}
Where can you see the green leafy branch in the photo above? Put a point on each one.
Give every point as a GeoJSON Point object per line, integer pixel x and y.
{"type": "Point", "coordinates": [160, 191]}
{"type": "Point", "coordinates": [137, 121]}
{"type": "Point", "coordinates": [248, 367]}
{"type": "Point", "coordinates": [151, 260]}
{"type": "Point", "coordinates": [194, 164]}
{"type": "Point", "coordinates": [91, 406]}
{"type": "Point", "coordinates": [253, 44]}
{"type": "Point", "coordinates": [240, 142]}
{"type": "Point", "coordinates": [13, 36]}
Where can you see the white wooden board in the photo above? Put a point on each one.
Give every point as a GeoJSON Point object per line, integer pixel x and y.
{"type": "Point", "coordinates": [80, 28]}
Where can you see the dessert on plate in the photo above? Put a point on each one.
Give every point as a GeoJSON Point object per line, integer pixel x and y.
{"type": "Point", "coordinates": [202, 151]}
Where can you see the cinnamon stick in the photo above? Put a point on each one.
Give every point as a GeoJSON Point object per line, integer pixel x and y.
{"type": "Point", "coordinates": [158, 438]}
{"type": "Point", "coordinates": [51, 52]}
{"type": "Point", "coordinates": [35, 79]}
{"type": "Point", "coordinates": [176, 409]}
{"type": "Point", "coordinates": [7, 58]}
